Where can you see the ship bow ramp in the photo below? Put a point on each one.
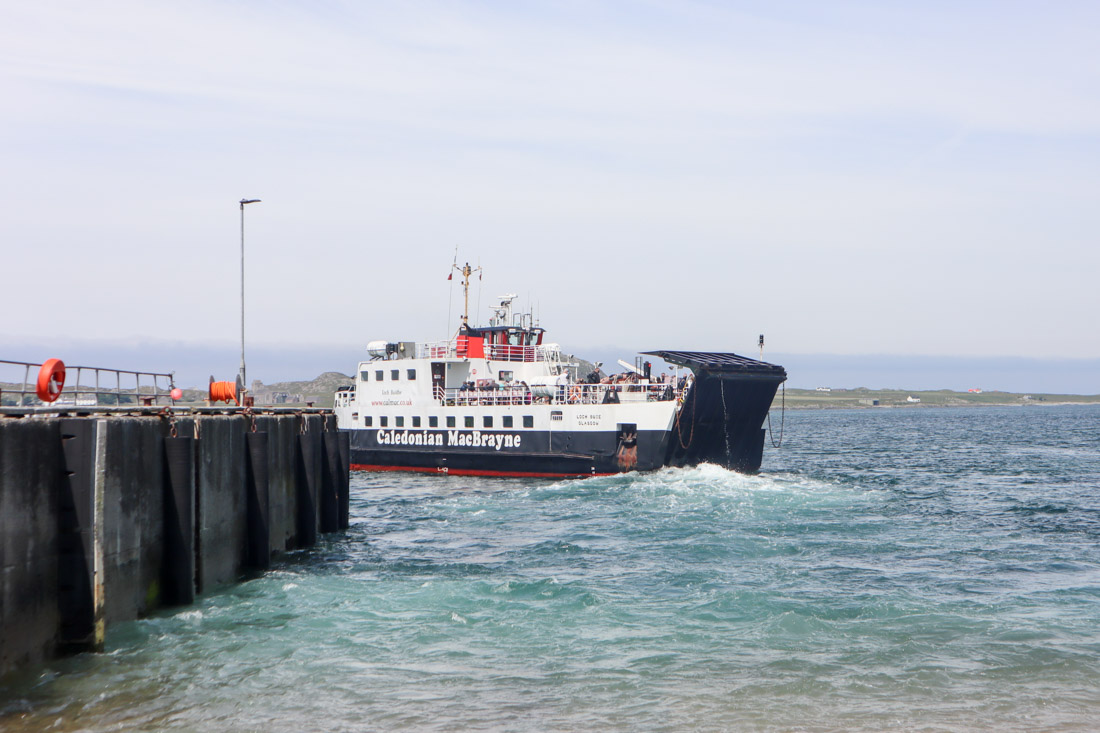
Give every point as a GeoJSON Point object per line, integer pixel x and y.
{"type": "Point", "coordinates": [721, 419]}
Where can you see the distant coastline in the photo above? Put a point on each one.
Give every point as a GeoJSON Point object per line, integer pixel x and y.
{"type": "Point", "coordinates": [833, 398]}
{"type": "Point", "coordinates": [319, 392]}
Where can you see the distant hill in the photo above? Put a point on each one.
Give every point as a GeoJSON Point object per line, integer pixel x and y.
{"type": "Point", "coordinates": [319, 391]}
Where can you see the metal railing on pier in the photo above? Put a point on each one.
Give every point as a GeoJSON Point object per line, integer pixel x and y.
{"type": "Point", "coordinates": [84, 386]}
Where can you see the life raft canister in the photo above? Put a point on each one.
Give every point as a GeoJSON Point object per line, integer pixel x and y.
{"type": "Point", "coordinates": [51, 378]}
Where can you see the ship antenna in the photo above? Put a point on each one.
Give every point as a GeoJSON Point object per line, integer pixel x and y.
{"type": "Point", "coordinates": [478, 311]}
{"type": "Point", "coordinates": [466, 271]}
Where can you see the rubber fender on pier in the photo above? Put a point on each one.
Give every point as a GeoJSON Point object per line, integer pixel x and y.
{"type": "Point", "coordinates": [178, 563]}
{"type": "Point", "coordinates": [258, 555]}
{"type": "Point", "coordinates": [344, 442]}
{"type": "Point", "coordinates": [308, 486]}
{"type": "Point", "coordinates": [330, 483]}
{"type": "Point", "coordinates": [76, 537]}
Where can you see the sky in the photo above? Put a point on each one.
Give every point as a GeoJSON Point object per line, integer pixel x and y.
{"type": "Point", "coordinates": [866, 180]}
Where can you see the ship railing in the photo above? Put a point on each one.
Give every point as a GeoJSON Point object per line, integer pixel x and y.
{"type": "Point", "coordinates": [344, 397]}
{"type": "Point", "coordinates": [437, 350]}
{"type": "Point", "coordinates": [493, 352]}
{"type": "Point", "coordinates": [563, 394]}
{"type": "Point", "coordinates": [85, 386]}
{"type": "Point", "coordinates": [506, 352]}
{"type": "Point", "coordinates": [600, 394]}
{"type": "Point", "coordinates": [495, 397]}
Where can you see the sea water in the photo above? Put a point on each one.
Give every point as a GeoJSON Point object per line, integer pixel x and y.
{"type": "Point", "coordinates": [909, 569]}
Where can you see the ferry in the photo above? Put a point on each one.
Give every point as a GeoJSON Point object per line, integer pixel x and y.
{"type": "Point", "coordinates": [500, 400]}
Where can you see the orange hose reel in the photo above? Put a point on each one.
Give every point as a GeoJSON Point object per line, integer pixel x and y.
{"type": "Point", "coordinates": [223, 391]}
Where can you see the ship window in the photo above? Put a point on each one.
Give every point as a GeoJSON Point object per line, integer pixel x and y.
{"type": "Point", "coordinates": [528, 421]}
{"type": "Point", "coordinates": [368, 420]}
{"type": "Point", "coordinates": [395, 374]}
{"type": "Point", "coordinates": [450, 421]}
{"type": "Point", "coordinates": [505, 376]}
{"type": "Point", "coordinates": [468, 421]}
{"type": "Point", "coordinates": [399, 422]}
{"type": "Point", "coordinates": [416, 421]}
{"type": "Point", "coordinates": [555, 414]}
{"type": "Point", "coordinates": [487, 421]}
{"type": "Point", "coordinates": [378, 375]}
{"type": "Point", "coordinates": [433, 421]}
{"type": "Point", "coordinates": [364, 374]}
{"type": "Point", "coordinates": [507, 421]}
{"type": "Point", "coordinates": [383, 421]}
{"type": "Point", "coordinates": [412, 375]}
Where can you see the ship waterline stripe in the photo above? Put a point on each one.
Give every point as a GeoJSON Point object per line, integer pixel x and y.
{"type": "Point", "coordinates": [474, 471]}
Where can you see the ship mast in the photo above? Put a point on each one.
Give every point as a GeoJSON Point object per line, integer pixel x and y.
{"type": "Point", "coordinates": [466, 271]}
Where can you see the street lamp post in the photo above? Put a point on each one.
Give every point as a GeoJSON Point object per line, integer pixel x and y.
{"type": "Point", "coordinates": [244, 382]}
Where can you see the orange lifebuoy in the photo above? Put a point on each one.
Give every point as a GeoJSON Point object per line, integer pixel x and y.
{"type": "Point", "coordinates": [51, 378]}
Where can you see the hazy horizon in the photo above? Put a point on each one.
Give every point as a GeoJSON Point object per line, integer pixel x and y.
{"type": "Point", "coordinates": [194, 363]}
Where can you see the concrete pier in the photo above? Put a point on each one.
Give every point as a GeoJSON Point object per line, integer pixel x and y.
{"type": "Point", "coordinates": [106, 517]}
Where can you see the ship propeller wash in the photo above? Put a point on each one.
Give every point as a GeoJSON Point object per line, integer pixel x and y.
{"type": "Point", "coordinates": [501, 401]}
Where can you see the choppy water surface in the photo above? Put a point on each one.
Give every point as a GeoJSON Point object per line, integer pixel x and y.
{"type": "Point", "coordinates": [924, 569]}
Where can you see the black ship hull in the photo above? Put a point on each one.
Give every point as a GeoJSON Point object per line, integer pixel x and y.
{"type": "Point", "coordinates": [556, 454]}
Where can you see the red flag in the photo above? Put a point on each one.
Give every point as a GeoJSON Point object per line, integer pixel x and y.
{"type": "Point", "coordinates": [450, 275]}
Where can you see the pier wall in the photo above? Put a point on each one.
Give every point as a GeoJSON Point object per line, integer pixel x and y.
{"type": "Point", "coordinates": [29, 488]}
{"type": "Point", "coordinates": [105, 518]}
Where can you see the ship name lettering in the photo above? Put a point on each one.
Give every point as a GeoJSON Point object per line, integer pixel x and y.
{"type": "Point", "coordinates": [404, 437]}
{"type": "Point", "coordinates": [478, 439]}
